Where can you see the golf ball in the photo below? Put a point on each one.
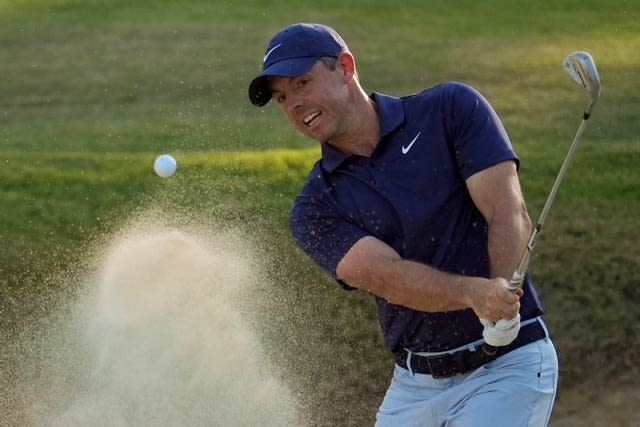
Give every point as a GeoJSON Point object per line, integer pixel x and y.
{"type": "Point", "coordinates": [165, 165]}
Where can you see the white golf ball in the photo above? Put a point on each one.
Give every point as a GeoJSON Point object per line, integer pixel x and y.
{"type": "Point", "coordinates": [165, 165]}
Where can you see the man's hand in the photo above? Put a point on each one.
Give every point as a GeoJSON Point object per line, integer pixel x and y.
{"type": "Point", "coordinates": [492, 300]}
{"type": "Point", "coordinates": [501, 333]}
{"type": "Point", "coordinates": [498, 309]}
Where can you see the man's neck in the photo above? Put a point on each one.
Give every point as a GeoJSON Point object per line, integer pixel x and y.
{"type": "Point", "coordinates": [364, 135]}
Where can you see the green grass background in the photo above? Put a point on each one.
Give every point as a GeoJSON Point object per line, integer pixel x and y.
{"type": "Point", "coordinates": [92, 91]}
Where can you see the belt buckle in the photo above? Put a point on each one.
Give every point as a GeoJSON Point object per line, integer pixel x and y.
{"type": "Point", "coordinates": [447, 365]}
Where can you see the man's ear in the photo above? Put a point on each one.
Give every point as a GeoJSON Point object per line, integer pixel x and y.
{"type": "Point", "coordinates": [347, 62]}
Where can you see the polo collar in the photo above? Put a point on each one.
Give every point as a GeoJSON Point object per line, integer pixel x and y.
{"type": "Point", "coordinates": [390, 114]}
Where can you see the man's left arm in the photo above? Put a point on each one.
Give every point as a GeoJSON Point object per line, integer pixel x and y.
{"type": "Point", "coordinates": [497, 195]}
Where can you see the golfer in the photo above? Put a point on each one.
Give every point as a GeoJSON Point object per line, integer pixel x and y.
{"type": "Point", "coordinates": [416, 200]}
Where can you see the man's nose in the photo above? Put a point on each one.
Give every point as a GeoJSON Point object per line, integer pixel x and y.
{"type": "Point", "coordinates": [291, 102]}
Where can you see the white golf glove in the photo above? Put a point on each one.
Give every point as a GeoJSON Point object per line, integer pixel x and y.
{"type": "Point", "coordinates": [501, 333]}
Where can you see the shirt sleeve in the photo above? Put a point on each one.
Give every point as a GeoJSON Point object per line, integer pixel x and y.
{"type": "Point", "coordinates": [320, 230]}
{"type": "Point", "coordinates": [475, 130]}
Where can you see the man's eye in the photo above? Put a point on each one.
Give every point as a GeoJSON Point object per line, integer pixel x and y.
{"type": "Point", "coordinates": [302, 83]}
{"type": "Point", "coordinates": [280, 99]}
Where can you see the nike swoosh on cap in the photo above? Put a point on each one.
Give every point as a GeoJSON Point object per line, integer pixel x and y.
{"type": "Point", "coordinates": [266, 55]}
{"type": "Point", "coordinates": [406, 149]}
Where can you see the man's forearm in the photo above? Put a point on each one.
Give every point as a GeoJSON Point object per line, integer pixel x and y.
{"type": "Point", "coordinates": [507, 241]}
{"type": "Point", "coordinates": [424, 288]}
{"type": "Point", "coordinates": [374, 266]}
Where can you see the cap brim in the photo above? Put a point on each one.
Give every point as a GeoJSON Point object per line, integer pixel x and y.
{"type": "Point", "coordinates": [259, 92]}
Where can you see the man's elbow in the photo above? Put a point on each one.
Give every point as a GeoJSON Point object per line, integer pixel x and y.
{"type": "Point", "coordinates": [377, 280]}
{"type": "Point", "coordinates": [525, 219]}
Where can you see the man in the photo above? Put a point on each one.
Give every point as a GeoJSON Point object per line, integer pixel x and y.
{"type": "Point", "coordinates": [417, 201]}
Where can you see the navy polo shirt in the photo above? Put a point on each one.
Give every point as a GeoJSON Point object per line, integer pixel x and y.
{"type": "Point", "coordinates": [411, 194]}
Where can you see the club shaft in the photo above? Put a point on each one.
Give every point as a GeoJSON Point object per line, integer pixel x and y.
{"type": "Point", "coordinates": [517, 279]}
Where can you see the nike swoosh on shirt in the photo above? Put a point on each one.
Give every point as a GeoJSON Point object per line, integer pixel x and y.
{"type": "Point", "coordinates": [266, 55]}
{"type": "Point", "coordinates": [406, 149]}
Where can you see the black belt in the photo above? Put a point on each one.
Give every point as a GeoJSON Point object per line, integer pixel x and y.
{"type": "Point", "coordinates": [448, 365]}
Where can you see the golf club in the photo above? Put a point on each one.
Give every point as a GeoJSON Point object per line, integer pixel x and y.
{"type": "Point", "coordinates": [582, 69]}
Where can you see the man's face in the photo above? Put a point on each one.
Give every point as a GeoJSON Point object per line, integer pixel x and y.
{"type": "Point", "coordinates": [315, 101]}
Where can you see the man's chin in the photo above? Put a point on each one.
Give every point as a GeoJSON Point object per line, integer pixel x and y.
{"type": "Point", "coordinates": [318, 136]}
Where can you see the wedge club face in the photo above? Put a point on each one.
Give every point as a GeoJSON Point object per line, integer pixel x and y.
{"type": "Point", "coordinates": [582, 69]}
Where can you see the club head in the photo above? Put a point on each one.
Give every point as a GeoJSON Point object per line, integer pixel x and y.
{"type": "Point", "coordinates": [582, 69]}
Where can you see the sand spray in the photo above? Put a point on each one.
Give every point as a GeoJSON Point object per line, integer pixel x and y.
{"type": "Point", "coordinates": [160, 336]}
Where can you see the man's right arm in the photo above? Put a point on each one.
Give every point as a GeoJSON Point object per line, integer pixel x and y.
{"type": "Point", "coordinates": [374, 266]}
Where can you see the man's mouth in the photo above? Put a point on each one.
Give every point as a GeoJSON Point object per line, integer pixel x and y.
{"type": "Point", "coordinates": [311, 118]}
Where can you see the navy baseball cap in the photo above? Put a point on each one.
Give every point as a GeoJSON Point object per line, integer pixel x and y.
{"type": "Point", "coordinates": [292, 52]}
